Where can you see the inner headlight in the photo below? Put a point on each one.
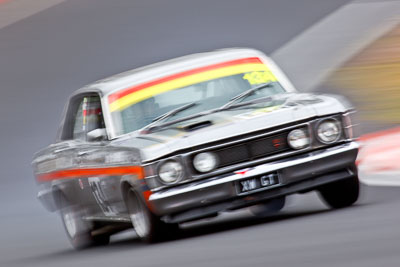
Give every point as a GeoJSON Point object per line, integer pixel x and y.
{"type": "Point", "coordinates": [298, 139]}
{"type": "Point", "coordinates": [205, 162]}
{"type": "Point", "coordinates": [328, 131]}
{"type": "Point", "coordinates": [170, 172]}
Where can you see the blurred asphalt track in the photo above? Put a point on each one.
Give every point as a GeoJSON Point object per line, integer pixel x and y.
{"type": "Point", "coordinates": [47, 55]}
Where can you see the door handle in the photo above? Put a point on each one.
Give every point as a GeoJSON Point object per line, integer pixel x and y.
{"type": "Point", "coordinates": [84, 153]}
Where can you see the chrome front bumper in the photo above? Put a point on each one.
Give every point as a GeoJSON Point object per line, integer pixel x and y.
{"type": "Point", "coordinates": [298, 173]}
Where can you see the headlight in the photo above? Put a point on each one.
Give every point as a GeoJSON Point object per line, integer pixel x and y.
{"type": "Point", "coordinates": [298, 139]}
{"type": "Point", "coordinates": [328, 131]}
{"type": "Point", "coordinates": [205, 162]}
{"type": "Point", "coordinates": [170, 172]}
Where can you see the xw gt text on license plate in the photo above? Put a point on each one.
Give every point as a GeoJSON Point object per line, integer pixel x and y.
{"type": "Point", "coordinates": [257, 183]}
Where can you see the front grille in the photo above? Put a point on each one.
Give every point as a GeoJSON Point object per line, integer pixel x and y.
{"type": "Point", "coordinates": [268, 146]}
{"type": "Point", "coordinates": [232, 155]}
{"type": "Point", "coordinates": [252, 149]}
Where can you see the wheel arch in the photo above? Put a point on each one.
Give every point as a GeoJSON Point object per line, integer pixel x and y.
{"type": "Point", "coordinates": [59, 196]}
{"type": "Point", "coordinates": [128, 182]}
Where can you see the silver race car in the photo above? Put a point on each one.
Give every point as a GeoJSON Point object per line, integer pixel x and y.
{"type": "Point", "coordinates": [189, 138]}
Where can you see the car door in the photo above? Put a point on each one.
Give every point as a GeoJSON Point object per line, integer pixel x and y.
{"type": "Point", "coordinates": [74, 137]}
{"type": "Point", "coordinates": [99, 185]}
{"type": "Point", "coordinates": [91, 157]}
{"type": "Point", "coordinates": [82, 164]}
{"type": "Point", "coordinates": [56, 166]}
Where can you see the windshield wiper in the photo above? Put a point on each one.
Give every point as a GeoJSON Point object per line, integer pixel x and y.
{"type": "Point", "coordinates": [245, 94]}
{"type": "Point", "coordinates": [174, 112]}
{"type": "Point", "coordinates": [156, 121]}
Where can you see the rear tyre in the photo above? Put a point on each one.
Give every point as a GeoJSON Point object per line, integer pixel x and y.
{"type": "Point", "coordinates": [342, 193]}
{"type": "Point", "coordinates": [148, 227]}
{"type": "Point", "coordinates": [79, 232]}
{"type": "Point", "coordinates": [268, 208]}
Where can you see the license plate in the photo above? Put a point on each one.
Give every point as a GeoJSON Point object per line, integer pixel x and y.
{"type": "Point", "coordinates": [256, 183]}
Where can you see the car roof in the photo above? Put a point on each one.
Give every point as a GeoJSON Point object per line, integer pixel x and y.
{"type": "Point", "coordinates": [154, 71]}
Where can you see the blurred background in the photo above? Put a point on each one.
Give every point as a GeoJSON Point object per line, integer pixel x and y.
{"type": "Point", "coordinates": [50, 48]}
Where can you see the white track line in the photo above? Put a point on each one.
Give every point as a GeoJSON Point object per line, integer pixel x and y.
{"type": "Point", "coordinates": [15, 10]}
{"type": "Point", "coordinates": [381, 179]}
{"type": "Point", "coordinates": [311, 56]}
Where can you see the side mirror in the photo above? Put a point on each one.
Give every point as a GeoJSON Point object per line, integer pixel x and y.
{"type": "Point", "coordinates": [99, 134]}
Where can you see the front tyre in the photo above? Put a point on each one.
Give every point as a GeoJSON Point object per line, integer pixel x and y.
{"type": "Point", "coordinates": [148, 227]}
{"type": "Point", "coordinates": [79, 232]}
{"type": "Point", "coordinates": [342, 193]}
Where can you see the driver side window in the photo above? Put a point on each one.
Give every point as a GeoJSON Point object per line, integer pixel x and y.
{"type": "Point", "coordinates": [88, 116]}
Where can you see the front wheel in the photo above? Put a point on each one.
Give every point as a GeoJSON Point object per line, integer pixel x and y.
{"type": "Point", "coordinates": [148, 227]}
{"type": "Point", "coordinates": [79, 231]}
{"type": "Point", "coordinates": [342, 193]}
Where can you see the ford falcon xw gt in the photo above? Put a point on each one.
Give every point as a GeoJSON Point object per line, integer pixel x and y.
{"type": "Point", "coordinates": [188, 138]}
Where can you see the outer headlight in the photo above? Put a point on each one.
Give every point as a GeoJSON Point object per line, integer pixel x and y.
{"type": "Point", "coordinates": [170, 172]}
{"type": "Point", "coordinates": [328, 131]}
{"type": "Point", "coordinates": [298, 139]}
{"type": "Point", "coordinates": [205, 162]}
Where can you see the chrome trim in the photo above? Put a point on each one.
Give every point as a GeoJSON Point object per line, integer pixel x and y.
{"type": "Point", "coordinates": [230, 168]}
{"type": "Point", "coordinates": [350, 111]}
{"type": "Point", "coordinates": [108, 219]}
{"type": "Point", "coordinates": [261, 169]}
{"type": "Point", "coordinates": [349, 126]}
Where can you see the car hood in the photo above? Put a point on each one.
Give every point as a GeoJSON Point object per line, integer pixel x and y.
{"type": "Point", "coordinates": [284, 109]}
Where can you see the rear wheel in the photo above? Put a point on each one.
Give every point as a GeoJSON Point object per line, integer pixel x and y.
{"type": "Point", "coordinates": [79, 231]}
{"type": "Point", "coordinates": [342, 193]}
{"type": "Point", "coordinates": [148, 227]}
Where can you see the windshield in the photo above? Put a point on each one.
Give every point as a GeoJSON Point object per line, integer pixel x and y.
{"type": "Point", "coordinates": [134, 108]}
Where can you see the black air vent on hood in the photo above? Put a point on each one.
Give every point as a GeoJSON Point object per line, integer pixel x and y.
{"type": "Point", "coordinates": [195, 126]}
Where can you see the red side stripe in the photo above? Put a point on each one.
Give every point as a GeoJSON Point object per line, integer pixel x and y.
{"type": "Point", "coordinates": [77, 173]}
{"type": "Point", "coordinates": [135, 88]}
